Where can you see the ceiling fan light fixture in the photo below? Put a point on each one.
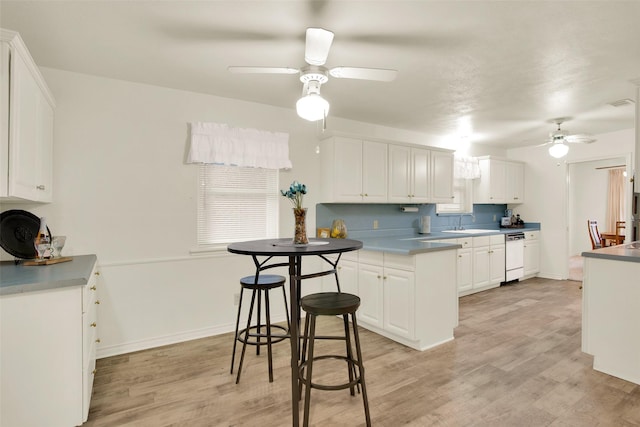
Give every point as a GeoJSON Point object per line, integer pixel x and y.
{"type": "Point", "coordinates": [558, 150]}
{"type": "Point", "coordinates": [312, 107]}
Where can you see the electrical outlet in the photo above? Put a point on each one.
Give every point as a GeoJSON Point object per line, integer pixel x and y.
{"type": "Point", "coordinates": [236, 299]}
{"type": "Point", "coordinates": [375, 224]}
{"type": "Point", "coordinates": [494, 217]}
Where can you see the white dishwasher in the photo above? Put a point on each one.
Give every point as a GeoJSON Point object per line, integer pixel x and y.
{"type": "Point", "coordinates": [514, 256]}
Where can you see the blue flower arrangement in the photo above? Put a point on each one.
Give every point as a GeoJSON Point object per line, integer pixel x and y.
{"type": "Point", "coordinates": [295, 193]}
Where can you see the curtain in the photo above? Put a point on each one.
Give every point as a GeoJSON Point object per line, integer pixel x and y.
{"type": "Point", "coordinates": [615, 198]}
{"type": "Point", "coordinates": [466, 167]}
{"type": "Point", "coordinates": [215, 143]}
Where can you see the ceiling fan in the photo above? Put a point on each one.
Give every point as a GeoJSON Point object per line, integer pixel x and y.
{"type": "Point", "coordinates": [559, 139]}
{"type": "Point", "coordinates": [311, 106]}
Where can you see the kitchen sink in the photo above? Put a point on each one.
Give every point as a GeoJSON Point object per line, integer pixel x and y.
{"type": "Point", "coordinates": [471, 231]}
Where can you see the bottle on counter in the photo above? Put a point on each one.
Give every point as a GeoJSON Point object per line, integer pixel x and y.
{"type": "Point", "coordinates": [42, 242]}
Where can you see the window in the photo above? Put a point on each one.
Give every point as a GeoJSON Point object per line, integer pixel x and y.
{"type": "Point", "coordinates": [462, 198]}
{"type": "Point", "coordinates": [236, 204]}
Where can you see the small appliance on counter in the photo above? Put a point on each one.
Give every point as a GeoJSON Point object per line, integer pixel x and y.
{"type": "Point", "coordinates": [425, 224]}
{"type": "Point", "coordinates": [512, 221]}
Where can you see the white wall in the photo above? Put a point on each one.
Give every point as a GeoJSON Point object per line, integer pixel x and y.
{"type": "Point", "coordinates": [123, 192]}
{"type": "Point", "coordinates": [546, 192]}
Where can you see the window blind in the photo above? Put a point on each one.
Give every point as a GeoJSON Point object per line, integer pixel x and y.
{"type": "Point", "coordinates": [236, 204]}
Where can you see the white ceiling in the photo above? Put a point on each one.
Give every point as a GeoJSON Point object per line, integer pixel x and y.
{"type": "Point", "coordinates": [507, 66]}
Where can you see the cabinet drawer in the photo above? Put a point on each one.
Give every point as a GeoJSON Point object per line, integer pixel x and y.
{"type": "Point", "coordinates": [466, 242]}
{"type": "Point", "coordinates": [371, 257]}
{"type": "Point", "coordinates": [401, 262]}
{"type": "Point", "coordinates": [531, 235]}
{"type": "Point", "coordinates": [481, 241]}
{"type": "Point", "coordinates": [497, 239]}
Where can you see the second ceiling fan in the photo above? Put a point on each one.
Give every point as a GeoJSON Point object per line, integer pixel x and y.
{"type": "Point", "coordinates": [311, 106]}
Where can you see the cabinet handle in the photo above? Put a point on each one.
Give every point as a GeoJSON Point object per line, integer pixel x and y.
{"type": "Point", "coordinates": [515, 198]}
{"type": "Point", "coordinates": [97, 302]}
{"type": "Point", "coordinates": [93, 288]}
{"type": "Point", "coordinates": [459, 256]}
{"type": "Point", "coordinates": [93, 325]}
{"type": "Point", "coordinates": [97, 273]}
{"type": "Point", "coordinates": [366, 195]}
{"type": "Point", "coordinates": [98, 340]}
{"type": "Point", "coordinates": [385, 278]}
{"type": "Point", "coordinates": [94, 371]}
{"type": "Point", "coordinates": [41, 187]}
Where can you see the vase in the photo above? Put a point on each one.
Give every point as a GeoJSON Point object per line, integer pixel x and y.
{"type": "Point", "coordinates": [300, 235]}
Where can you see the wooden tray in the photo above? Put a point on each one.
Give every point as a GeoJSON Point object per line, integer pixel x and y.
{"type": "Point", "coordinates": [48, 261]}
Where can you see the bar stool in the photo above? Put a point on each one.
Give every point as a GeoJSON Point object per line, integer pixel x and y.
{"type": "Point", "coordinates": [253, 335]}
{"type": "Point", "coordinates": [332, 304]}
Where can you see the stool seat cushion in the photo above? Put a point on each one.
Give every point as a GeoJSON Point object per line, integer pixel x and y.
{"type": "Point", "coordinates": [264, 281]}
{"type": "Point", "coordinates": [330, 303]}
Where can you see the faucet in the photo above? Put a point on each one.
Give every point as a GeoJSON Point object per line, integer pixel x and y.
{"type": "Point", "coordinates": [460, 227]}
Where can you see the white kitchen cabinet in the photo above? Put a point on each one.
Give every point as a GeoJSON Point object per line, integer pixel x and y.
{"type": "Point", "coordinates": [464, 269]}
{"type": "Point", "coordinates": [27, 117]}
{"type": "Point", "coordinates": [347, 274]}
{"type": "Point", "coordinates": [531, 254]}
{"type": "Point", "coordinates": [353, 170]}
{"type": "Point", "coordinates": [501, 181]}
{"type": "Point", "coordinates": [488, 262]}
{"type": "Point", "coordinates": [409, 174]}
{"type": "Point", "coordinates": [514, 176]}
{"type": "Point", "coordinates": [441, 177]}
{"type": "Point", "coordinates": [411, 299]}
{"type": "Point", "coordinates": [48, 341]}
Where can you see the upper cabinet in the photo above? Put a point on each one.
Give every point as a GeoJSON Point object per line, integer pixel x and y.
{"type": "Point", "coordinates": [353, 170]}
{"type": "Point", "coordinates": [26, 111]}
{"type": "Point", "coordinates": [356, 170]}
{"type": "Point", "coordinates": [501, 181]}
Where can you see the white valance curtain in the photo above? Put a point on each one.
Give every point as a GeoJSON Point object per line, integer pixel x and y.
{"type": "Point", "coordinates": [215, 143]}
{"type": "Point", "coordinates": [466, 167]}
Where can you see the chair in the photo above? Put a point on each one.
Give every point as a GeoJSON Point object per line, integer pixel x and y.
{"type": "Point", "coordinates": [594, 234]}
{"type": "Point", "coordinates": [254, 334]}
{"type": "Point", "coordinates": [332, 304]}
{"type": "Point", "coordinates": [620, 228]}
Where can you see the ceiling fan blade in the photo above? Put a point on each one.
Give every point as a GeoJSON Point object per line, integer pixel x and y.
{"type": "Point", "coordinates": [579, 139]}
{"type": "Point", "coordinates": [262, 70]}
{"type": "Point", "coordinates": [379, 74]}
{"type": "Point", "coordinates": [317, 46]}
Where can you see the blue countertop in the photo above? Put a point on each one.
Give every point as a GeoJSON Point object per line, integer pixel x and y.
{"type": "Point", "coordinates": [629, 252]}
{"type": "Point", "coordinates": [16, 279]}
{"type": "Point", "coordinates": [408, 242]}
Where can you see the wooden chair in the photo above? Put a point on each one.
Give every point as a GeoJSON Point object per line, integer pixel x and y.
{"type": "Point", "coordinates": [620, 228]}
{"type": "Point", "coordinates": [594, 234]}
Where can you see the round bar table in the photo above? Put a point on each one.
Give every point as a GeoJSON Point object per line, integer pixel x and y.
{"type": "Point", "coordinates": [285, 248]}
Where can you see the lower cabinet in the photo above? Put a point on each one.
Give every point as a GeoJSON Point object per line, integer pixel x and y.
{"type": "Point", "coordinates": [48, 355]}
{"type": "Point", "coordinates": [531, 253]}
{"type": "Point", "coordinates": [481, 263]}
{"type": "Point", "coordinates": [411, 299]}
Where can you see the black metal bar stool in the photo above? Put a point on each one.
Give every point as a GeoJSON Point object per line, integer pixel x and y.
{"type": "Point", "coordinates": [260, 285]}
{"type": "Point", "coordinates": [332, 304]}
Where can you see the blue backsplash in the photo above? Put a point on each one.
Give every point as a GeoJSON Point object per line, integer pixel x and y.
{"type": "Point", "coordinates": [360, 216]}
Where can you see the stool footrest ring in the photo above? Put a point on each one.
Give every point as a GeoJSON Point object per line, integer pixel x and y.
{"type": "Point", "coordinates": [242, 335]}
{"type": "Point", "coordinates": [343, 386]}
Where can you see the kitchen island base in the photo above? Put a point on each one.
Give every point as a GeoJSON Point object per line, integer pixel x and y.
{"type": "Point", "coordinates": [611, 316]}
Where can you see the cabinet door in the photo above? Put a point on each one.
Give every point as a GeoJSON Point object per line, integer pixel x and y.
{"type": "Point", "coordinates": [399, 316]}
{"type": "Point", "coordinates": [441, 177]}
{"type": "Point", "coordinates": [531, 257]}
{"type": "Point", "coordinates": [374, 172]}
{"type": "Point", "coordinates": [465, 270]}
{"type": "Point", "coordinates": [515, 182]}
{"type": "Point", "coordinates": [370, 284]}
{"type": "Point", "coordinates": [399, 174]}
{"type": "Point", "coordinates": [497, 264]}
{"type": "Point", "coordinates": [347, 167]}
{"type": "Point", "coordinates": [348, 275]}
{"type": "Point", "coordinates": [4, 118]}
{"type": "Point", "coordinates": [30, 136]}
{"type": "Point", "coordinates": [481, 267]}
{"type": "Point", "coordinates": [420, 174]}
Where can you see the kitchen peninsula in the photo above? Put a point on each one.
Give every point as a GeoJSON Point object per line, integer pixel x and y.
{"type": "Point", "coordinates": [611, 310]}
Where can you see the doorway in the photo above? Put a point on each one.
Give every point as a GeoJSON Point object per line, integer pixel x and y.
{"type": "Point", "coordinates": [588, 188]}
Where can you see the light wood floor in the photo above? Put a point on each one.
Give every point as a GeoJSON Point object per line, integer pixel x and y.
{"type": "Point", "coordinates": [516, 361]}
